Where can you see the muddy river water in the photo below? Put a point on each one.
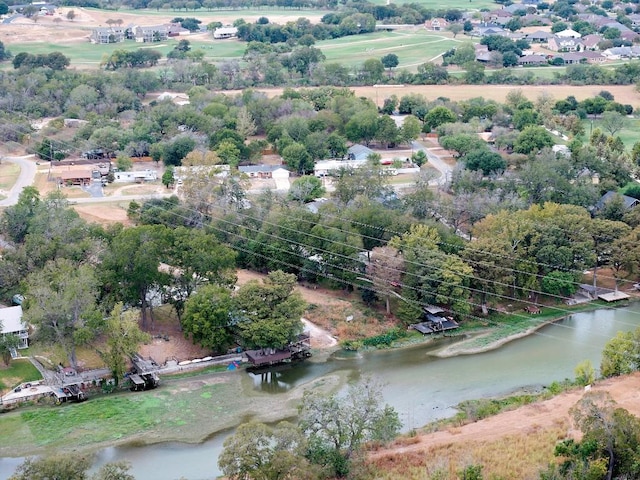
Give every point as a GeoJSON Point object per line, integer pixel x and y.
{"type": "Point", "coordinates": [420, 386]}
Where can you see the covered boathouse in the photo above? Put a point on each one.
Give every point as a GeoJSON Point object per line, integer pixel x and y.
{"type": "Point", "coordinates": [435, 321]}
{"type": "Point", "coordinates": [296, 350]}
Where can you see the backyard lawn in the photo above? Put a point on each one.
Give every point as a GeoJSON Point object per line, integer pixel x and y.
{"type": "Point", "coordinates": [20, 370]}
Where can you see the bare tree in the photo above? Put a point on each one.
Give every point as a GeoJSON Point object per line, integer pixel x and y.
{"type": "Point", "coordinates": [385, 268]}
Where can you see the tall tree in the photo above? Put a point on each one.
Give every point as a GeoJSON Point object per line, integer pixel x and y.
{"type": "Point", "coordinates": [385, 268]}
{"type": "Point", "coordinates": [257, 451]}
{"type": "Point", "coordinates": [123, 337]}
{"type": "Point", "coordinates": [131, 265]}
{"type": "Point", "coordinates": [197, 258]}
{"type": "Point", "coordinates": [337, 427]}
{"type": "Point", "coordinates": [269, 312]}
{"type": "Point", "coordinates": [61, 303]}
{"type": "Point", "coordinates": [208, 318]}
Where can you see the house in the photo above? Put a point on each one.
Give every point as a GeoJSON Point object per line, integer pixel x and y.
{"type": "Point", "coordinates": [591, 41]}
{"type": "Point", "coordinates": [539, 36]}
{"type": "Point", "coordinates": [176, 29]}
{"type": "Point", "coordinates": [629, 202]}
{"type": "Point", "coordinates": [558, 44]}
{"type": "Point", "coordinates": [616, 53]}
{"type": "Point", "coordinates": [12, 324]}
{"type": "Point", "coordinates": [499, 16]}
{"type": "Point", "coordinates": [572, 58]}
{"type": "Point", "coordinates": [532, 20]}
{"type": "Point", "coordinates": [568, 33]}
{"type": "Point", "coordinates": [80, 177]}
{"type": "Point", "coordinates": [265, 171]}
{"type": "Point", "coordinates": [629, 36]}
{"type": "Point", "coordinates": [436, 24]}
{"type": "Point", "coordinates": [592, 57]}
{"type": "Point", "coordinates": [225, 32]}
{"type": "Point", "coordinates": [358, 152]}
{"type": "Point", "coordinates": [325, 168]}
{"type": "Point", "coordinates": [104, 35]}
{"type": "Point", "coordinates": [532, 60]}
{"type": "Point", "coordinates": [157, 33]}
{"type": "Point", "coordinates": [635, 19]}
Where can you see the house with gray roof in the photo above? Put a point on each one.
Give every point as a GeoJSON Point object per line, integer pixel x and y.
{"type": "Point", "coordinates": [156, 33]}
{"type": "Point", "coordinates": [627, 201]}
{"type": "Point", "coordinates": [264, 171]}
{"type": "Point", "coordinates": [539, 36]}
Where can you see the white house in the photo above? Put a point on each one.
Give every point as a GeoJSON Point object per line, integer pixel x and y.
{"type": "Point", "coordinates": [225, 32]}
{"type": "Point", "coordinates": [12, 324]}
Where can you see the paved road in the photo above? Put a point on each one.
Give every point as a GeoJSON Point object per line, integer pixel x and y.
{"type": "Point", "coordinates": [26, 177]}
{"type": "Point", "coordinates": [440, 165]}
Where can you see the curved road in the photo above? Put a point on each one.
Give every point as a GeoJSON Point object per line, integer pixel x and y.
{"type": "Point", "coordinates": [26, 177]}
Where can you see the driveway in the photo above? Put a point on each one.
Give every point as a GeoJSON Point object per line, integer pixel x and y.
{"type": "Point", "coordinates": [439, 164]}
{"type": "Point", "coordinates": [26, 177]}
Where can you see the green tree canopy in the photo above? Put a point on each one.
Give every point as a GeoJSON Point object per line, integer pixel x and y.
{"type": "Point", "coordinates": [208, 318]}
{"type": "Point", "coordinates": [269, 312]}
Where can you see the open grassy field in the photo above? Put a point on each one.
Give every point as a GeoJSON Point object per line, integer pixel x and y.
{"type": "Point", "coordinates": [629, 134]}
{"type": "Point", "coordinates": [412, 46]}
{"type": "Point", "coordinates": [85, 54]}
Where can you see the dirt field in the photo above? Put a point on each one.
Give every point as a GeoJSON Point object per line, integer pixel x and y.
{"type": "Point", "coordinates": [541, 416]}
{"type": "Point", "coordinates": [622, 93]}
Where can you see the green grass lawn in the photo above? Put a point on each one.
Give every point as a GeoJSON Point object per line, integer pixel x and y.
{"type": "Point", "coordinates": [437, 4]}
{"type": "Point", "coordinates": [19, 371]}
{"type": "Point", "coordinates": [413, 47]}
{"type": "Point", "coordinates": [88, 54]}
{"type": "Point", "coordinates": [8, 175]}
{"type": "Point", "coordinates": [629, 134]}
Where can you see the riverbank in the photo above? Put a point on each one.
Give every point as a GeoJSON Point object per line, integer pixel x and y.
{"type": "Point", "coordinates": [501, 443]}
{"type": "Point", "coordinates": [187, 410]}
{"type": "Point", "coordinates": [504, 331]}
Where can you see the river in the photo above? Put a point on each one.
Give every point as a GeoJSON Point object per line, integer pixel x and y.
{"type": "Point", "coordinates": [421, 387]}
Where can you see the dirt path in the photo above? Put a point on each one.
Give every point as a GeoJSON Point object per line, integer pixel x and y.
{"type": "Point", "coordinates": [541, 415]}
